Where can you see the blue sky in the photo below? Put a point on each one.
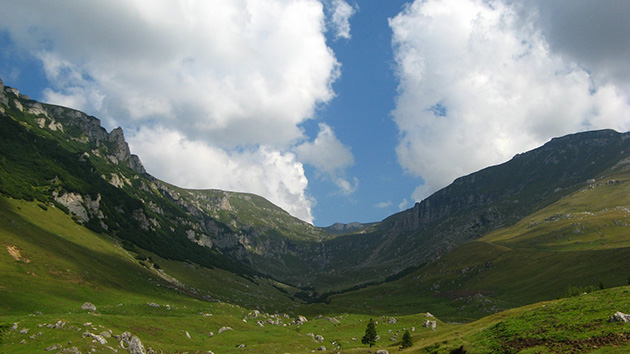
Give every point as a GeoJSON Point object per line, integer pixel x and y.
{"type": "Point", "coordinates": [337, 111]}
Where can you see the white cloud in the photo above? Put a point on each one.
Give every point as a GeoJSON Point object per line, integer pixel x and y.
{"type": "Point", "coordinates": [383, 205]}
{"type": "Point", "coordinates": [228, 75]}
{"type": "Point", "coordinates": [340, 18]}
{"type": "Point", "coordinates": [326, 152]}
{"type": "Point", "coordinates": [263, 171]}
{"type": "Point", "coordinates": [330, 156]}
{"type": "Point", "coordinates": [479, 83]}
{"type": "Point", "coordinates": [594, 33]}
{"type": "Point", "coordinates": [404, 204]}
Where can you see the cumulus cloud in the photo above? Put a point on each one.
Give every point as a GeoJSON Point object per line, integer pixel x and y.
{"type": "Point", "coordinates": [263, 171]}
{"type": "Point", "coordinates": [594, 33]}
{"type": "Point", "coordinates": [226, 75]}
{"type": "Point", "coordinates": [340, 18]}
{"type": "Point", "coordinates": [330, 156]}
{"type": "Point", "coordinates": [383, 205]}
{"type": "Point", "coordinates": [479, 83]}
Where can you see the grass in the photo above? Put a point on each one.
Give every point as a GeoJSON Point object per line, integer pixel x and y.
{"type": "Point", "coordinates": [50, 266]}
{"type": "Point", "coordinates": [577, 242]}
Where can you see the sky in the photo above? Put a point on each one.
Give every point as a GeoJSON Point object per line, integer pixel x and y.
{"type": "Point", "coordinates": [334, 110]}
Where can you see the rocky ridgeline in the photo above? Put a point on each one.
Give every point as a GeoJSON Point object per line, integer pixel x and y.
{"type": "Point", "coordinates": [78, 125]}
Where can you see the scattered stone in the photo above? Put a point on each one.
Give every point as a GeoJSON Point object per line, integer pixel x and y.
{"type": "Point", "coordinates": [321, 349]}
{"type": "Point", "coordinates": [223, 329]}
{"type": "Point", "coordinates": [96, 337]}
{"type": "Point", "coordinates": [38, 313]}
{"type": "Point", "coordinates": [211, 334]}
{"type": "Point", "coordinates": [88, 306]}
{"type": "Point", "coordinates": [382, 351]}
{"type": "Point", "coordinates": [428, 315]}
{"type": "Point", "coordinates": [333, 320]}
{"type": "Point", "coordinates": [59, 324]}
{"type": "Point", "coordinates": [131, 343]}
{"type": "Point", "coordinates": [392, 320]}
{"type": "Point", "coordinates": [354, 339]}
{"type": "Point", "coordinates": [24, 331]}
{"type": "Point", "coordinates": [261, 323]}
{"type": "Point", "coordinates": [14, 327]}
{"type": "Point", "coordinates": [187, 334]}
{"type": "Point", "coordinates": [53, 347]}
{"type": "Point", "coordinates": [153, 304]}
{"type": "Point", "coordinates": [430, 324]}
{"type": "Point", "coordinates": [619, 317]}
{"type": "Point", "coordinates": [86, 324]}
{"type": "Point", "coordinates": [241, 346]}
{"type": "Point", "coordinates": [301, 319]}
{"type": "Point", "coordinates": [105, 334]}
{"type": "Point", "coordinates": [319, 338]}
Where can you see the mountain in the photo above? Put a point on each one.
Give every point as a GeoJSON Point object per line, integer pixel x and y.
{"type": "Point", "coordinates": [91, 243]}
{"type": "Point", "coordinates": [91, 174]}
{"type": "Point", "coordinates": [571, 246]}
{"type": "Point", "coordinates": [472, 206]}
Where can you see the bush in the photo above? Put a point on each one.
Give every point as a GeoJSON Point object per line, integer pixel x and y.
{"type": "Point", "coordinates": [406, 340]}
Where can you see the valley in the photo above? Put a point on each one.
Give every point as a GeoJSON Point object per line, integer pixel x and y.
{"type": "Point", "coordinates": [527, 256]}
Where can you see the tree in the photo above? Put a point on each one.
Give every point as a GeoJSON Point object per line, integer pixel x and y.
{"type": "Point", "coordinates": [370, 334]}
{"type": "Point", "coordinates": [406, 340]}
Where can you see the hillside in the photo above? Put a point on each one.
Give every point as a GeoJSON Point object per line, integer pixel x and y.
{"type": "Point", "coordinates": [81, 220]}
{"type": "Point", "coordinates": [65, 159]}
{"type": "Point", "coordinates": [577, 243]}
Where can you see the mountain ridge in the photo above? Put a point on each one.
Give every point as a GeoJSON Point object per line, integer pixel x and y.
{"type": "Point", "coordinates": [257, 235]}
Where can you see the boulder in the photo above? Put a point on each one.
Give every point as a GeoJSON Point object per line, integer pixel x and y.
{"type": "Point", "coordinates": [88, 306]}
{"type": "Point", "coordinates": [392, 320]}
{"type": "Point", "coordinates": [223, 329]}
{"type": "Point", "coordinates": [619, 317]}
{"type": "Point", "coordinates": [96, 337]}
{"type": "Point", "coordinates": [321, 349]}
{"type": "Point", "coordinates": [432, 325]}
{"type": "Point", "coordinates": [132, 343]}
{"type": "Point", "coordinates": [382, 351]}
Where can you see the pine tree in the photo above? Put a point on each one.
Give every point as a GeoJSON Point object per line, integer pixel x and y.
{"type": "Point", "coordinates": [406, 340]}
{"type": "Point", "coordinates": [370, 334]}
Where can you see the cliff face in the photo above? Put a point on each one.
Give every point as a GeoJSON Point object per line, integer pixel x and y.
{"type": "Point", "coordinates": [495, 197]}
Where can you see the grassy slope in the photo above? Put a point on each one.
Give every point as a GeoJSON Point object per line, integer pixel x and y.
{"type": "Point", "coordinates": [59, 265]}
{"type": "Point", "coordinates": [577, 242]}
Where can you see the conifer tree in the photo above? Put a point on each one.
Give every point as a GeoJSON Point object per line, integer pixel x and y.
{"type": "Point", "coordinates": [370, 334]}
{"type": "Point", "coordinates": [406, 340]}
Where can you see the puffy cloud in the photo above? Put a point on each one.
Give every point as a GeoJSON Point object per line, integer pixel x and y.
{"type": "Point", "coordinates": [479, 83]}
{"type": "Point", "coordinates": [232, 78]}
{"type": "Point", "coordinates": [330, 156]}
{"type": "Point", "coordinates": [383, 205]}
{"type": "Point", "coordinates": [195, 164]}
{"type": "Point", "coordinates": [594, 33]}
{"type": "Point", "coordinates": [340, 18]}
{"type": "Point", "coordinates": [326, 152]}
